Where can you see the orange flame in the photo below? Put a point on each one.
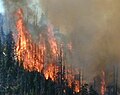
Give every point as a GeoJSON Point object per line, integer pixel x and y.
{"type": "Point", "coordinates": [33, 55]}
{"type": "Point", "coordinates": [52, 42]}
{"type": "Point", "coordinates": [77, 86]}
{"type": "Point", "coordinates": [30, 53]}
{"type": "Point", "coordinates": [51, 71]}
{"type": "Point", "coordinates": [70, 78]}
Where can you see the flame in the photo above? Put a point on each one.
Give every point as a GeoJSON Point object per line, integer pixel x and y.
{"type": "Point", "coordinates": [30, 53]}
{"type": "Point", "coordinates": [103, 85]}
{"type": "Point", "coordinates": [51, 71]}
{"type": "Point", "coordinates": [52, 42]}
{"type": "Point", "coordinates": [70, 78]}
{"type": "Point", "coordinates": [34, 57]}
{"type": "Point", "coordinates": [77, 86]}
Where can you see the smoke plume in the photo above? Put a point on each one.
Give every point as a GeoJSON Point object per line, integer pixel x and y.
{"type": "Point", "coordinates": [93, 27]}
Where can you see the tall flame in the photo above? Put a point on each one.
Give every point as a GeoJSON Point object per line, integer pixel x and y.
{"type": "Point", "coordinates": [33, 56]}
{"type": "Point", "coordinates": [30, 53]}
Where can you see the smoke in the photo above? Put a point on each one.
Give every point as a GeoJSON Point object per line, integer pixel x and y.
{"type": "Point", "coordinates": [32, 14]}
{"type": "Point", "coordinates": [93, 28]}
{"type": "Point", "coordinates": [91, 25]}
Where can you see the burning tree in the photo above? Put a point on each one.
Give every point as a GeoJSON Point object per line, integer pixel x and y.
{"type": "Point", "coordinates": [40, 58]}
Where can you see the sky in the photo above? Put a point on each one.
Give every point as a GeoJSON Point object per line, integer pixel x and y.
{"type": "Point", "coordinates": [1, 7]}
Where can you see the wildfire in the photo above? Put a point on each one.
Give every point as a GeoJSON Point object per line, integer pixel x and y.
{"type": "Point", "coordinates": [33, 56]}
